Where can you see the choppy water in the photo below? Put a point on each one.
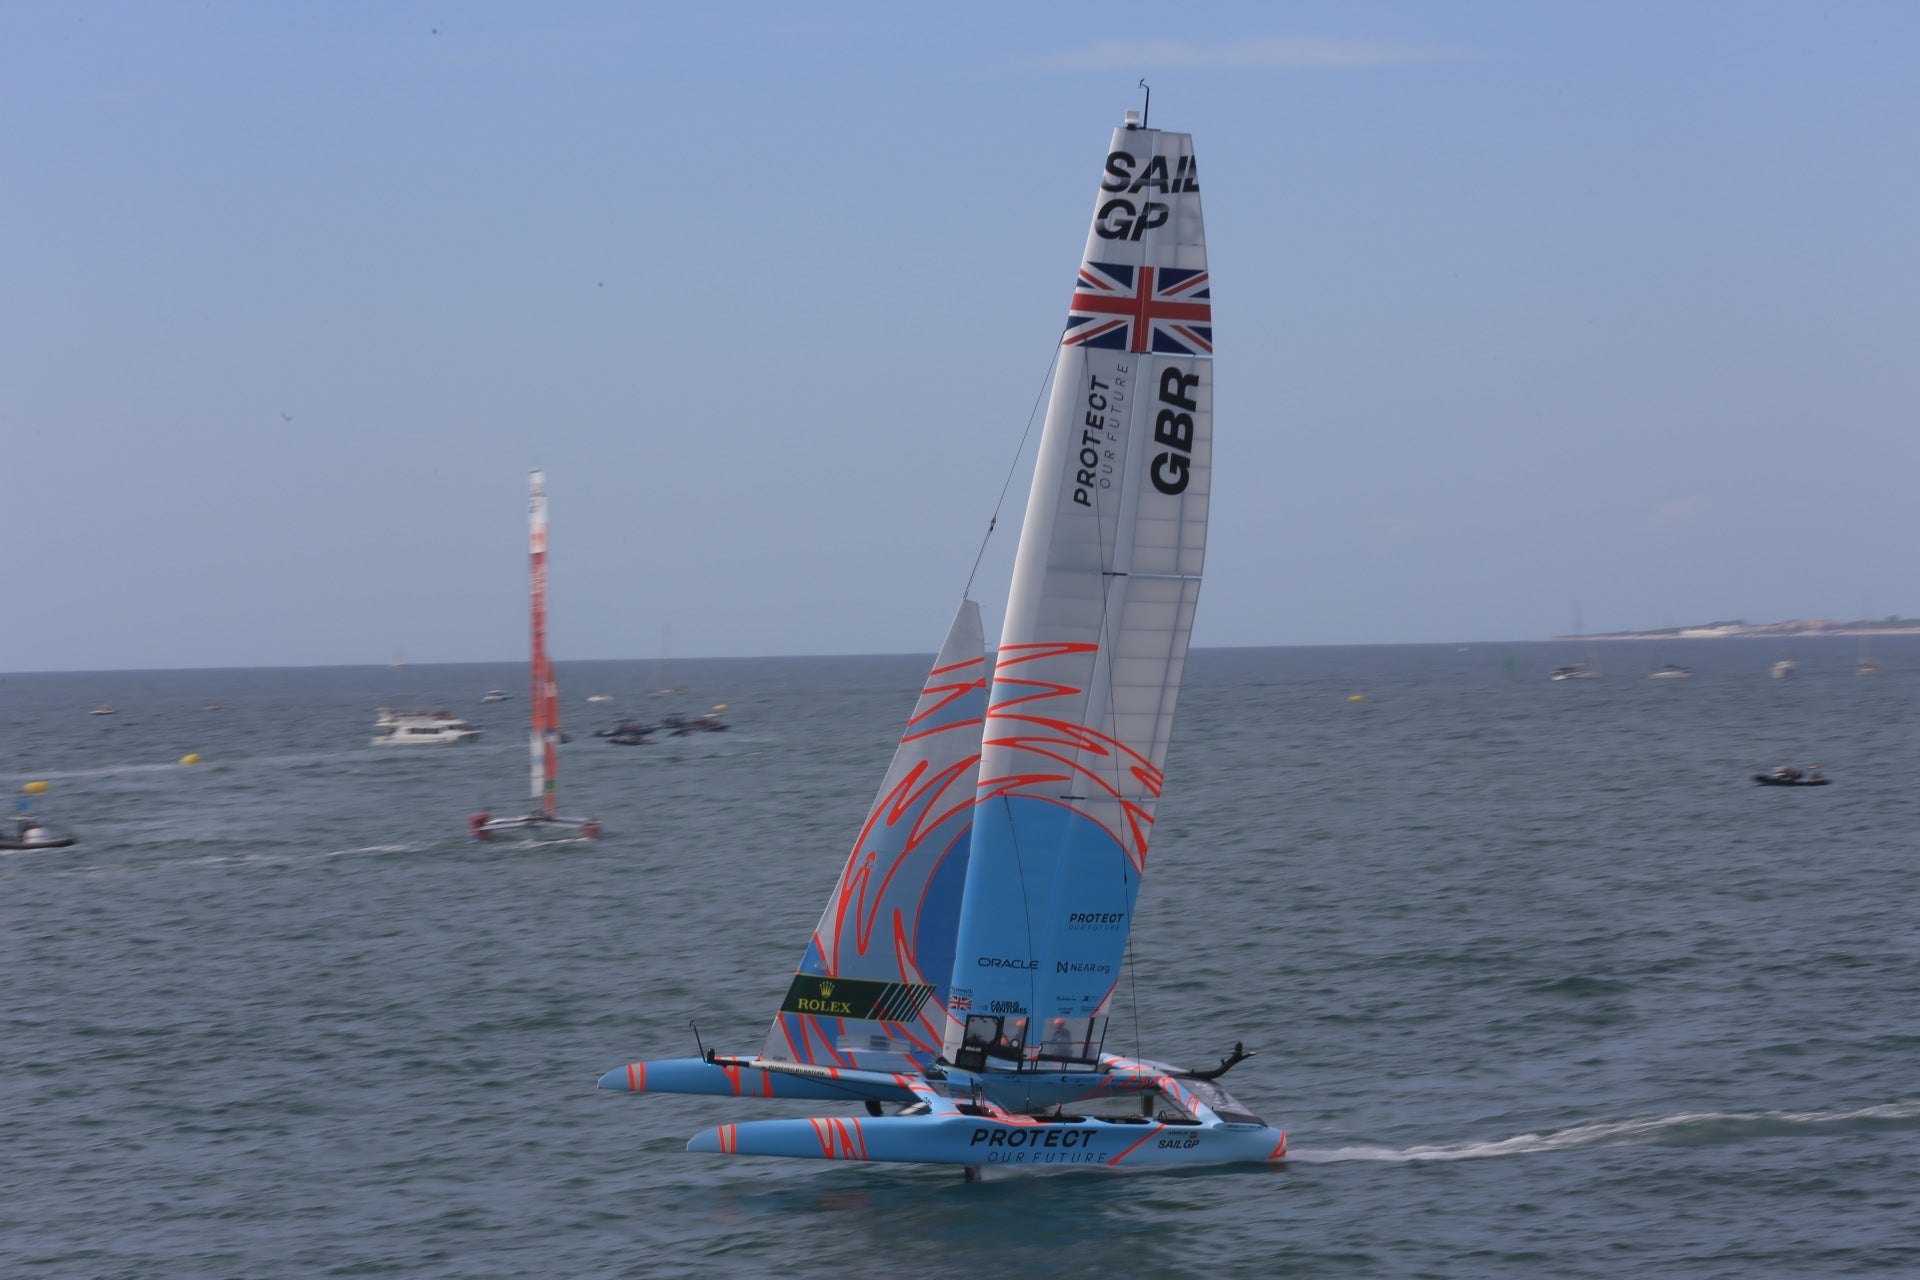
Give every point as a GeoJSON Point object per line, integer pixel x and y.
{"type": "Point", "coordinates": [1542, 983]}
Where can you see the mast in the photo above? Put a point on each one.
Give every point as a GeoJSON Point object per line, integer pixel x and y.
{"type": "Point", "coordinates": [545, 696]}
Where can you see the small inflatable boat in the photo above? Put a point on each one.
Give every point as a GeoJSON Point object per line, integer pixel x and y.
{"type": "Point", "coordinates": [31, 835]}
{"type": "Point", "coordinates": [1784, 777]}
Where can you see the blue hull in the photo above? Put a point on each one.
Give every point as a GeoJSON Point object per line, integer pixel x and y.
{"type": "Point", "coordinates": [980, 1141]}
{"type": "Point", "coordinates": [698, 1076]}
{"type": "Point", "coordinates": [971, 1119]}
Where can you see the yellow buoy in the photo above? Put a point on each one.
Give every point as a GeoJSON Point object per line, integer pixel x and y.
{"type": "Point", "coordinates": [190, 758]}
{"type": "Point", "coordinates": [1358, 697]}
{"type": "Point", "coordinates": [35, 788]}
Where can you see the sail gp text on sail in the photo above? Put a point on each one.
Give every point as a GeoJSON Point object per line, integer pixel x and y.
{"type": "Point", "coordinates": [1123, 218]}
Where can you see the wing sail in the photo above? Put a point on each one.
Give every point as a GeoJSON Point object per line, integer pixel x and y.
{"type": "Point", "coordinates": [871, 990]}
{"type": "Point", "coordinates": [1104, 588]}
{"type": "Point", "coordinates": [544, 702]}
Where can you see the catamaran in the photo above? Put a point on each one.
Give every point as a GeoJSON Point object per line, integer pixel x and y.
{"type": "Point", "coordinates": [542, 819]}
{"type": "Point", "coordinates": [957, 989]}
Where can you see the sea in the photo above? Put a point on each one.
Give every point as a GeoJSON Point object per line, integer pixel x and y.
{"type": "Point", "coordinates": [1540, 982]}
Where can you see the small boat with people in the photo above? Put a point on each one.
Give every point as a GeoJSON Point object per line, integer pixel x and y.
{"type": "Point", "coordinates": [27, 832]}
{"type": "Point", "coordinates": [1784, 668]}
{"type": "Point", "coordinates": [1671, 671]}
{"type": "Point", "coordinates": [543, 818]}
{"type": "Point", "coordinates": [394, 728]}
{"type": "Point", "coordinates": [680, 726]}
{"type": "Point", "coordinates": [1572, 671]}
{"type": "Point", "coordinates": [104, 709]}
{"type": "Point", "coordinates": [626, 733]}
{"type": "Point", "coordinates": [1786, 775]}
{"type": "Point", "coordinates": [495, 695]}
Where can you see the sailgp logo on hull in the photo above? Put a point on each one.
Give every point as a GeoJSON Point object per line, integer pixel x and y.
{"type": "Point", "coordinates": [820, 997]}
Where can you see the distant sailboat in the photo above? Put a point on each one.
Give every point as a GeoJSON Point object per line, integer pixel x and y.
{"type": "Point", "coordinates": [966, 964]}
{"type": "Point", "coordinates": [1669, 670]}
{"type": "Point", "coordinates": [1582, 670]}
{"type": "Point", "coordinates": [542, 819]}
{"type": "Point", "coordinates": [658, 685]}
{"type": "Point", "coordinates": [1866, 664]}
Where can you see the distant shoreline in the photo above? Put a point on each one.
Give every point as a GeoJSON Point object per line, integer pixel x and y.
{"type": "Point", "coordinates": [1763, 631]}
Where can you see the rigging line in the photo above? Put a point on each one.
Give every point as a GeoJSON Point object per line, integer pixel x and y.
{"type": "Point", "coordinates": [994, 520]}
{"type": "Point", "coordinates": [1026, 916]}
{"type": "Point", "coordinates": [1133, 991]}
{"type": "Point", "coordinates": [1105, 658]}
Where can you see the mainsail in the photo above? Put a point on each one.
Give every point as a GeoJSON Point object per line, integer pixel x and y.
{"type": "Point", "coordinates": [871, 989]}
{"type": "Point", "coordinates": [545, 693]}
{"type": "Point", "coordinates": [1098, 618]}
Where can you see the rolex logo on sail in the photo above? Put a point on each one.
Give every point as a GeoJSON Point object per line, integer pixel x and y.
{"type": "Point", "coordinates": [819, 997]}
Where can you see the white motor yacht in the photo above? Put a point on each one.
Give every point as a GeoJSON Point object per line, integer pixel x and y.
{"type": "Point", "coordinates": [421, 728]}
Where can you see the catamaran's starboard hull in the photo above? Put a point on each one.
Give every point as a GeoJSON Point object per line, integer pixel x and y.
{"type": "Point", "coordinates": [971, 1140]}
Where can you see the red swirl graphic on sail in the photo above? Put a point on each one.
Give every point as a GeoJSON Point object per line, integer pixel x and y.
{"type": "Point", "coordinates": [1065, 743]}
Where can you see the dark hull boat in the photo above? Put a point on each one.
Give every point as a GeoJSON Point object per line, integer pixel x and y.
{"type": "Point", "coordinates": [27, 835]}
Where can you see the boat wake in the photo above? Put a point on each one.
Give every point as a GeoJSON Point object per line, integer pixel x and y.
{"type": "Point", "coordinates": [364, 850]}
{"type": "Point", "coordinates": [1687, 1129]}
{"type": "Point", "coordinates": [112, 770]}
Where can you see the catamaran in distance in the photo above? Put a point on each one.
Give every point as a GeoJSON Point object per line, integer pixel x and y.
{"type": "Point", "coordinates": [542, 818]}
{"type": "Point", "coordinates": [956, 992]}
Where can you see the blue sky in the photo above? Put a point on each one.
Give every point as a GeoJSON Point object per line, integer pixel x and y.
{"type": "Point", "coordinates": [1516, 305]}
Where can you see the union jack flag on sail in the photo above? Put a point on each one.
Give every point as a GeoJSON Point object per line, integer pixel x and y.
{"type": "Point", "coordinates": [1125, 308]}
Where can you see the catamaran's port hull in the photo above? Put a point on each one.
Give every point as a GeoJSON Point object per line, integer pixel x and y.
{"type": "Point", "coordinates": [1024, 1092]}
{"type": "Point", "coordinates": [698, 1076]}
{"type": "Point", "coordinates": [978, 1141]}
